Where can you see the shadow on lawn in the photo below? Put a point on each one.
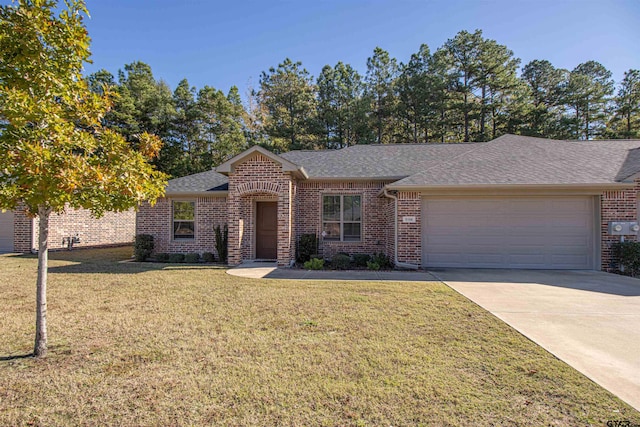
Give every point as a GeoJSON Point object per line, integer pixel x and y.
{"type": "Point", "coordinates": [109, 261]}
{"type": "Point", "coordinates": [125, 267]}
{"type": "Point", "coordinates": [15, 357]}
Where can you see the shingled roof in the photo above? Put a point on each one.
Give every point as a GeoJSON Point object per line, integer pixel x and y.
{"type": "Point", "coordinates": [377, 161]}
{"type": "Point", "coordinates": [520, 160]}
{"type": "Point", "coordinates": [208, 181]}
{"type": "Point", "coordinates": [507, 160]}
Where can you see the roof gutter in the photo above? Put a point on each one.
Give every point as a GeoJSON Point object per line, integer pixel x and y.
{"type": "Point", "coordinates": [397, 263]}
{"type": "Point", "coordinates": [595, 186]}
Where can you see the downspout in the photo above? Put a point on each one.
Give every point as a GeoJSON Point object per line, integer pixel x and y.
{"type": "Point", "coordinates": [397, 263]}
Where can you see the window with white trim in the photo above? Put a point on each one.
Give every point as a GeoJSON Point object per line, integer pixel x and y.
{"type": "Point", "coordinates": [342, 217]}
{"type": "Point", "coordinates": [184, 224]}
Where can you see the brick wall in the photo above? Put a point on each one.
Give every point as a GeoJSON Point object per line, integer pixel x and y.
{"type": "Point", "coordinates": [259, 178]}
{"type": "Point", "coordinates": [409, 234]}
{"type": "Point", "coordinates": [158, 221]}
{"type": "Point", "coordinates": [22, 225]}
{"type": "Point", "coordinates": [112, 229]}
{"type": "Point", "coordinates": [375, 215]}
{"type": "Point", "coordinates": [619, 205]}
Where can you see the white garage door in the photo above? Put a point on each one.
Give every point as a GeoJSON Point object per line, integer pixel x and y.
{"type": "Point", "coordinates": [509, 232]}
{"type": "Point", "coordinates": [6, 231]}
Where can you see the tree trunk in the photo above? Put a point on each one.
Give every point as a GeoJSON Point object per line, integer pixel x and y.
{"type": "Point", "coordinates": [40, 348]}
{"type": "Point", "coordinates": [483, 112]}
{"type": "Point", "coordinates": [466, 108]}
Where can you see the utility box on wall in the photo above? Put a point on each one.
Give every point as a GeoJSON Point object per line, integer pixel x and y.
{"type": "Point", "coordinates": [623, 228]}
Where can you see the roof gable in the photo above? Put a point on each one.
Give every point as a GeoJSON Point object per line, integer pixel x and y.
{"type": "Point", "coordinates": [287, 166]}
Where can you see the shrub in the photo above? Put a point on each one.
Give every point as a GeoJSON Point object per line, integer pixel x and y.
{"type": "Point", "coordinates": [307, 246]}
{"type": "Point", "coordinates": [192, 258]}
{"type": "Point", "coordinates": [208, 257]}
{"type": "Point", "coordinates": [222, 240]}
{"type": "Point", "coordinates": [174, 258]}
{"type": "Point", "coordinates": [162, 257]}
{"type": "Point", "coordinates": [628, 256]}
{"type": "Point", "coordinates": [382, 260]}
{"type": "Point", "coordinates": [361, 260]}
{"type": "Point", "coordinates": [314, 264]}
{"type": "Point", "coordinates": [316, 256]}
{"type": "Point", "coordinates": [341, 261]}
{"type": "Point", "coordinates": [143, 247]}
{"type": "Point", "coordinates": [373, 266]}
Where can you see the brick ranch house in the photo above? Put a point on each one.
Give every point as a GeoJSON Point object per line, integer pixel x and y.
{"type": "Point", "coordinates": [19, 233]}
{"type": "Point", "coordinates": [514, 202]}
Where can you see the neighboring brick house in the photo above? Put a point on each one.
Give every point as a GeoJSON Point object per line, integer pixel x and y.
{"type": "Point", "coordinates": [19, 233]}
{"type": "Point", "coordinates": [514, 202]}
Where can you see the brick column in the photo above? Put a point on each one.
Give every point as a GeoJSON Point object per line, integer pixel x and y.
{"type": "Point", "coordinates": [235, 228]}
{"type": "Point", "coordinates": [409, 233]}
{"type": "Point", "coordinates": [284, 224]}
{"type": "Point", "coordinates": [619, 205]}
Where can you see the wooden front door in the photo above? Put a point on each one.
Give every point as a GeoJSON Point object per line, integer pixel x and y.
{"type": "Point", "coordinates": [266, 230]}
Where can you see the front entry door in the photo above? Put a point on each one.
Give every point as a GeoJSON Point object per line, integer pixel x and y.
{"type": "Point", "coordinates": [266, 230]}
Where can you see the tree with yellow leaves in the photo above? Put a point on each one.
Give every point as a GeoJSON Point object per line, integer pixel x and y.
{"type": "Point", "coordinates": [54, 152]}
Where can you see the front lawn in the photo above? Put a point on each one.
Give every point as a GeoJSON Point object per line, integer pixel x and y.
{"type": "Point", "coordinates": [159, 344]}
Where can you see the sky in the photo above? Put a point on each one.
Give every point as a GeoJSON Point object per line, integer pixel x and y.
{"type": "Point", "coordinates": [230, 42]}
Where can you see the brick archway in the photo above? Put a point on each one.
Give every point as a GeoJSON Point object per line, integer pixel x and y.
{"type": "Point", "coordinates": [255, 187]}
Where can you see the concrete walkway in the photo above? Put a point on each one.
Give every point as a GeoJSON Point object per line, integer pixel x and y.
{"type": "Point", "coordinates": [588, 319]}
{"type": "Point", "coordinates": [268, 270]}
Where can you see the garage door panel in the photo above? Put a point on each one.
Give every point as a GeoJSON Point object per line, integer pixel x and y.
{"type": "Point", "coordinates": [6, 231]}
{"type": "Point", "coordinates": [507, 232]}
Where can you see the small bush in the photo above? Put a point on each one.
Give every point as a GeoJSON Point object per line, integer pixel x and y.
{"type": "Point", "coordinates": [361, 260]}
{"type": "Point", "coordinates": [628, 256]}
{"type": "Point", "coordinates": [314, 264]}
{"type": "Point", "coordinates": [307, 246]}
{"type": "Point", "coordinates": [208, 257]}
{"type": "Point", "coordinates": [373, 266]}
{"type": "Point", "coordinates": [143, 247]}
{"type": "Point", "coordinates": [341, 261]}
{"type": "Point", "coordinates": [175, 258]}
{"type": "Point", "coordinates": [162, 257]}
{"type": "Point", "coordinates": [192, 258]}
{"type": "Point", "coordinates": [222, 242]}
{"type": "Point", "coordinates": [382, 260]}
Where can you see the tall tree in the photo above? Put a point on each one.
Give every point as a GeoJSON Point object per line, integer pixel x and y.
{"type": "Point", "coordinates": [100, 80]}
{"type": "Point", "coordinates": [498, 83]}
{"type": "Point", "coordinates": [588, 94]}
{"type": "Point", "coordinates": [54, 152]}
{"type": "Point", "coordinates": [219, 121]}
{"type": "Point", "coordinates": [546, 84]}
{"type": "Point", "coordinates": [626, 120]}
{"type": "Point", "coordinates": [341, 106]}
{"type": "Point", "coordinates": [415, 96]}
{"type": "Point", "coordinates": [463, 53]}
{"type": "Point", "coordinates": [443, 84]}
{"type": "Point", "coordinates": [143, 105]}
{"type": "Point", "coordinates": [183, 132]}
{"type": "Point", "coordinates": [382, 71]}
{"type": "Point", "coordinates": [288, 96]}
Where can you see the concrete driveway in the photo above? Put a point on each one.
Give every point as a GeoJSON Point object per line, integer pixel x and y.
{"type": "Point", "coordinates": [588, 319]}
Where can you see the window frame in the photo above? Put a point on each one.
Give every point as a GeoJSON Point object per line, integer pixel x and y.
{"type": "Point", "coordinates": [174, 220]}
{"type": "Point", "coordinates": [341, 221]}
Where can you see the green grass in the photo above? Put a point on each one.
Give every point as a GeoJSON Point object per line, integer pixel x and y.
{"type": "Point", "coordinates": [159, 344]}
